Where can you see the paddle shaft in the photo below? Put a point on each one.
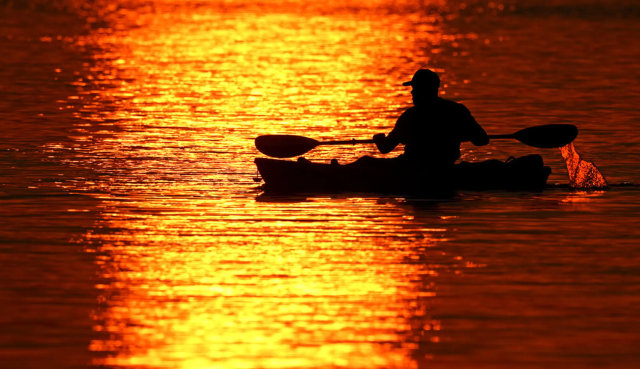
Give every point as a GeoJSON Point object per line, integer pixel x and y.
{"type": "Point", "coordinates": [502, 136]}
{"type": "Point", "coordinates": [354, 141]}
{"type": "Point", "coordinates": [345, 142]}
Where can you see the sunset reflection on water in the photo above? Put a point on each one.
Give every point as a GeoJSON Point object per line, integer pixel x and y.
{"type": "Point", "coordinates": [201, 277]}
{"type": "Point", "coordinates": [252, 291]}
{"type": "Point", "coordinates": [223, 76]}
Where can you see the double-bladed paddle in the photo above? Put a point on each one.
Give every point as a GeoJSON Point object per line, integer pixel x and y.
{"type": "Point", "coordinates": [545, 136]}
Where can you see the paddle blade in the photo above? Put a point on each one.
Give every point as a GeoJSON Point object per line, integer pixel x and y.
{"type": "Point", "coordinates": [284, 146]}
{"type": "Point", "coordinates": [547, 136]}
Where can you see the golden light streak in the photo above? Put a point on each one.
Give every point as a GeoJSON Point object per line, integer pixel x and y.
{"type": "Point", "coordinates": [202, 275]}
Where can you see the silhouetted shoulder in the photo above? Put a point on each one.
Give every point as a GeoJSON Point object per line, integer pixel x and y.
{"type": "Point", "coordinates": [407, 116]}
{"type": "Point", "coordinates": [409, 112]}
{"type": "Point", "coordinates": [453, 106]}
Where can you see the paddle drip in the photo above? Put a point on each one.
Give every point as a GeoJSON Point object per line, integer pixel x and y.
{"type": "Point", "coordinates": [582, 174]}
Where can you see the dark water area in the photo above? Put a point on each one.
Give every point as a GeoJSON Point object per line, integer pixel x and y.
{"type": "Point", "coordinates": [41, 263]}
{"type": "Point", "coordinates": [133, 235]}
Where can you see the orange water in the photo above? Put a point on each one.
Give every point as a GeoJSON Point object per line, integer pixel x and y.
{"type": "Point", "coordinates": [132, 234]}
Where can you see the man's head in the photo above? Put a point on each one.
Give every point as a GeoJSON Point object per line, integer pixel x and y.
{"type": "Point", "coordinates": [425, 85]}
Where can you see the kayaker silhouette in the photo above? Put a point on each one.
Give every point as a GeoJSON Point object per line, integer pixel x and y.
{"type": "Point", "coordinates": [432, 130]}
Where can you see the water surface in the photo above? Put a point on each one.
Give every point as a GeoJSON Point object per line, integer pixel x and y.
{"type": "Point", "coordinates": [134, 235]}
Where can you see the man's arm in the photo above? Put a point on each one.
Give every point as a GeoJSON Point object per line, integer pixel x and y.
{"type": "Point", "coordinates": [475, 133]}
{"type": "Point", "coordinates": [387, 143]}
{"type": "Point", "coordinates": [480, 138]}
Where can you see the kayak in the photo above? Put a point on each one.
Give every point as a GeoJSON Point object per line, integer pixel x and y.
{"type": "Point", "coordinates": [391, 177]}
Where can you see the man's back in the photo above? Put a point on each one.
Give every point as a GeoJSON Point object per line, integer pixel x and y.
{"type": "Point", "coordinates": [432, 132]}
